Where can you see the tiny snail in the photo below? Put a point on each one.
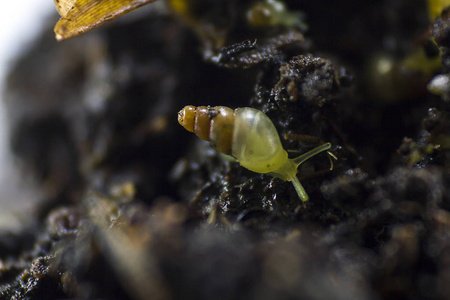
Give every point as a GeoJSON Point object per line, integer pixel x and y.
{"type": "Point", "coordinates": [250, 137]}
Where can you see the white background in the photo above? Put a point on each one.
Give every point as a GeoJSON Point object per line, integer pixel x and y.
{"type": "Point", "coordinates": [20, 22]}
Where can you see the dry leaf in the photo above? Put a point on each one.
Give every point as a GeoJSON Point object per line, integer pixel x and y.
{"type": "Point", "coordinates": [78, 16]}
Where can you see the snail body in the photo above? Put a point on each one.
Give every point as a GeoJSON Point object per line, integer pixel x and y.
{"type": "Point", "coordinates": [250, 137]}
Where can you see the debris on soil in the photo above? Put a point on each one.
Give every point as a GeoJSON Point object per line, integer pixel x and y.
{"type": "Point", "coordinates": [135, 207]}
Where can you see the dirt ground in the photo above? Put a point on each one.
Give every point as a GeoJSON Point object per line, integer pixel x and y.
{"type": "Point", "coordinates": [132, 206]}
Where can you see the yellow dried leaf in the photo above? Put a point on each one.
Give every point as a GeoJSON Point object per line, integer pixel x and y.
{"type": "Point", "coordinates": [64, 6]}
{"type": "Point", "coordinates": [78, 16]}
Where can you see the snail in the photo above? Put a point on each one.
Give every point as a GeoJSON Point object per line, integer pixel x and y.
{"type": "Point", "coordinates": [250, 137]}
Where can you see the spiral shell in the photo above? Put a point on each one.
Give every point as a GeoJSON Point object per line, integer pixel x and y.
{"type": "Point", "coordinates": [246, 133]}
{"type": "Point", "coordinates": [213, 124]}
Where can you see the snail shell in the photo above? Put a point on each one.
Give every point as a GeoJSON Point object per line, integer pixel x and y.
{"type": "Point", "coordinates": [245, 133]}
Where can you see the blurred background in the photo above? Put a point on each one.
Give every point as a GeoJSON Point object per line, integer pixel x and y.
{"type": "Point", "coordinates": [20, 22]}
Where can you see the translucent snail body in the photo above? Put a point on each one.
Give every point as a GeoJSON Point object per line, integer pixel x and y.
{"type": "Point", "coordinates": [249, 136]}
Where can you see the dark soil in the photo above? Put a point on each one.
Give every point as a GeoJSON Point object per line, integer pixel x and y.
{"type": "Point", "coordinates": [135, 207]}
